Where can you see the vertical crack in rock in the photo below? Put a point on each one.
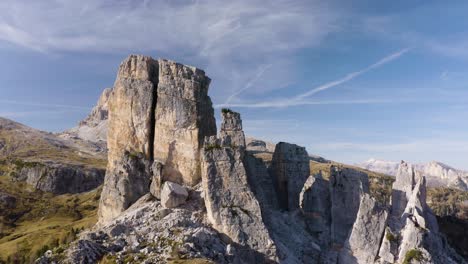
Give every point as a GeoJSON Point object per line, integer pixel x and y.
{"type": "Point", "coordinates": [152, 126]}
{"type": "Point", "coordinates": [129, 136]}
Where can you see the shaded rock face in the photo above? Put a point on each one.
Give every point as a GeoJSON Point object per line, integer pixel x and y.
{"type": "Point", "coordinates": [315, 205]}
{"type": "Point", "coordinates": [364, 240]}
{"type": "Point", "coordinates": [290, 170]}
{"type": "Point", "coordinates": [128, 181]}
{"type": "Point", "coordinates": [346, 187]}
{"type": "Point", "coordinates": [158, 110]}
{"type": "Point", "coordinates": [261, 182]}
{"type": "Point", "coordinates": [231, 129]}
{"type": "Point", "coordinates": [184, 116]}
{"type": "Point", "coordinates": [231, 206]}
{"type": "Point", "coordinates": [60, 178]}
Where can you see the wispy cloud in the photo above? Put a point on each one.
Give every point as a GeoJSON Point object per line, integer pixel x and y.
{"type": "Point", "coordinates": [250, 83]}
{"type": "Point", "coordinates": [299, 99]}
{"type": "Point", "coordinates": [352, 75]}
{"type": "Point", "coordinates": [63, 106]}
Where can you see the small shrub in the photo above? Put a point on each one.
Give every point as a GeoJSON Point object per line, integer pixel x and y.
{"type": "Point", "coordinates": [391, 237]}
{"type": "Point", "coordinates": [415, 254]}
{"type": "Point", "coordinates": [226, 111]}
{"type": "Point", "coordinates": [212, 146]}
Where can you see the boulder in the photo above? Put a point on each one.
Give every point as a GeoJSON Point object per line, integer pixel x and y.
{"type": "Point", "coordinates": [346, 188]}
{"type": "Point", "coordinates": [231, 206]}
{"type": "Point", "coordinates": [289, 170]}
{"type": "Point", "coordinates": [231, 129]}
{"type": "Point", "coordinates": [173, 195]}
{"type": "Point", "coordinates": [363, 243]}
{"type": "Point", "coordinates": [184, 116]}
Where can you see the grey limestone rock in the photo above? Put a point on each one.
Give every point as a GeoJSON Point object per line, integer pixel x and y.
{"type": "Point", "coordinates": [125, 184]}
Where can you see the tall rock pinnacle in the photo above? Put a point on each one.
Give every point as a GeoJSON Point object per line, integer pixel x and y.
{"type": "Point", "coordinates": [159, 110]}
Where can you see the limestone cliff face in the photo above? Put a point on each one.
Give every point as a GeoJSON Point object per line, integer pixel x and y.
{"type": "Point", "coordinates": [158, 110]}
{"type": "Point", "coordinates": [184, 116]}
{"type": "Point", "coordinates": [60, 178]}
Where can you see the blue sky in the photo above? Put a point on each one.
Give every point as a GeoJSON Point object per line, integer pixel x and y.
{"type": "Point", "coordinates": [350, 81]}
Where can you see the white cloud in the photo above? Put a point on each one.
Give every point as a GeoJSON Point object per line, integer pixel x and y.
{"type": "Point", "coordinates": [230, 39]}
{"type": "Point", "coordinates": [300, 99]}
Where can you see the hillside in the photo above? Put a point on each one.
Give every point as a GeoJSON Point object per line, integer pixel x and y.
{"type": "Point", "coordinates": [31, 161]}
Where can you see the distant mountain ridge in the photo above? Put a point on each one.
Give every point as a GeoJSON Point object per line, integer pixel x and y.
{"type": "Point", "coordinates": [437, 173]}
